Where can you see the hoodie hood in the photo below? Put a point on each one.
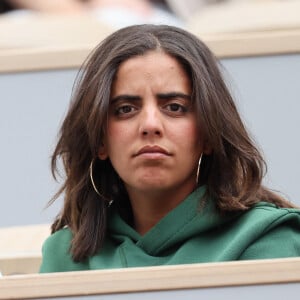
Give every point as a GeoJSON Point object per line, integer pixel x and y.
{"type": "Point", "coordinates": [195, 215]}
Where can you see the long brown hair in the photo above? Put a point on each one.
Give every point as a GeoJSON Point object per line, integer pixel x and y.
{"type": "Point", "coordinates": [232, 173]}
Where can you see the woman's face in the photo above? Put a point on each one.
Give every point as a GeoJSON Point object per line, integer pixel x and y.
{"type": "Point", "coordinates": [152, 138]}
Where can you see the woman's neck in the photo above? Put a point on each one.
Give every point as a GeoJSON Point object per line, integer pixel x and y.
{"type": "Point", "coordinates": [149, 208]}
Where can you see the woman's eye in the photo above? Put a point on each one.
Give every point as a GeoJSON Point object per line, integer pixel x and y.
{"type": "Point", "coordinates": [125, 109]}
{"type": "Point", "coordinates": [175, 107]}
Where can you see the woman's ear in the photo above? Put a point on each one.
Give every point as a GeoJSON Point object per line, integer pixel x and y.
{"type": "Point", "coordinates": [207, 148]}
{"type": "Point", "coordinates": [102, 152]}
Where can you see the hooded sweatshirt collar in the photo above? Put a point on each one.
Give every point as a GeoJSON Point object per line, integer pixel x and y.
{"type": "Point", "coordinates": [194, 215]}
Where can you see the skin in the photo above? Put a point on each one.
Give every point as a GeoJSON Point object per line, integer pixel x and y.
{"type": "Point", "coordinates": [152, 138]}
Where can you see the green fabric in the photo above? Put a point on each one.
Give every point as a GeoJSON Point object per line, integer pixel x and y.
{"type": "Point", "coordinates": [191, 233]}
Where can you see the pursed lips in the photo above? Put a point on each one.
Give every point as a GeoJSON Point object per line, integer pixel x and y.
{"type": "Point", "coordinates": [152, 150]}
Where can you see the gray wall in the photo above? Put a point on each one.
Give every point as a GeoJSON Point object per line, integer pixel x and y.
{"type": "Point", "coordinates": [33, 104]}
{"type": "Point", "coordinates": [267, 90]}
{"type": "Point", "coordinates": [32, 107]}
{"type": "Point", "coordinates": [257, 292]}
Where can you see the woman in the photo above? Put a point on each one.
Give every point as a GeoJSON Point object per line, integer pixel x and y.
{"type": "Point", "coordinates": [159, 166]}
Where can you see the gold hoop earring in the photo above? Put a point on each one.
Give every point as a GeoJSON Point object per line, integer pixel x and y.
{"type": "Point", "coordinates": [198, 169]}
{"type": "Point", "coordinates": [94, 185]}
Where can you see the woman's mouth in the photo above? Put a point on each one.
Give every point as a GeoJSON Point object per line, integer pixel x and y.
{"type": "Point", "coordinates": [152, 152]}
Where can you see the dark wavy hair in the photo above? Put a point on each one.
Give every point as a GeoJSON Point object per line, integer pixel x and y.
{"type": "Point", "coordinates": [233, 172]}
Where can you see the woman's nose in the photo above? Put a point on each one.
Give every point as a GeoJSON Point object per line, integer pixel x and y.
{"type": "Point", "coordinates": [151, 121]}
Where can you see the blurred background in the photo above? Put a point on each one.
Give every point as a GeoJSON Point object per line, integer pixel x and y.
{"type": "Point", "coordinates": [210, 16]}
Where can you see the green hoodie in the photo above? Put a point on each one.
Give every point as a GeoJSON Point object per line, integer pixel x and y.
{"type": "Point", "coordinates": [190, 233]}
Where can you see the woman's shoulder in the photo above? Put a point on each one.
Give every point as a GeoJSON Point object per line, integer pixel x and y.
{"type": "Point", "coordinates": [268, 214]}
{"type": "Point", "coordinates": [265, 217]}
{"type": "Point", "coordinates": [55, 251]}
{"type": "Point", "coordinates": [275, 231]}
{"type": "Point", "coordinates": [272, 210]}
{"type": "Point", "coordinates": [60, 239]}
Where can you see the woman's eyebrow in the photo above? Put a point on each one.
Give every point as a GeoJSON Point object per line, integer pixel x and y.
{"type": "Point", "coordinates": [161, 96]}
{"type": "Point", "coordinates": [172, 95]}
{"type": "Point", "coordinates": [125, 97]}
